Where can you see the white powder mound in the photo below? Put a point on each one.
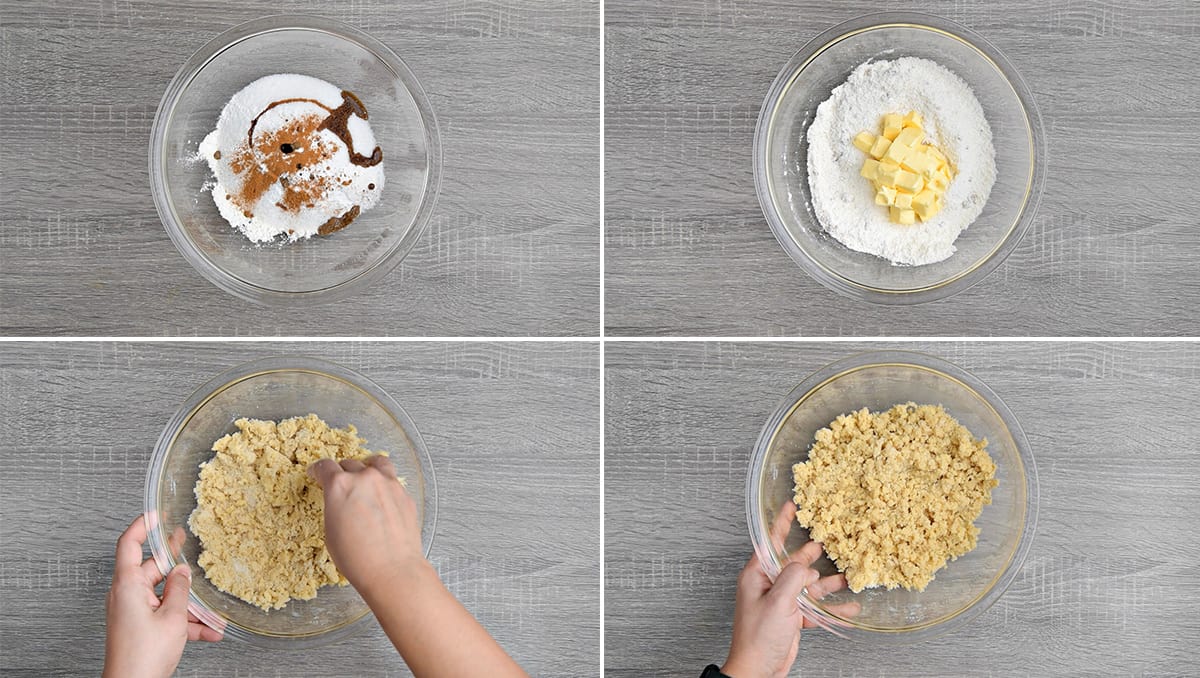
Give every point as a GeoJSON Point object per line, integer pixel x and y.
{"type": "Point", "coordinates": [954, 122]}
{"type": "Point", "coordinates": [348, 185]}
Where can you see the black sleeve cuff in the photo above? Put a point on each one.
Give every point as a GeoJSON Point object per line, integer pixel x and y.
{"type": "Point", "coordinates": [713, 671]}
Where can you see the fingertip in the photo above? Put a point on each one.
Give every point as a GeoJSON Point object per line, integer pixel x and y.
{"type": "Point", "coordinates": [321, 469]}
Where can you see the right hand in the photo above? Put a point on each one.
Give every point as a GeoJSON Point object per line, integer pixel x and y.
{"type": "Point", "coordinates": [371, 527]}
{"type": "Point", "coordinates": [766, 618]}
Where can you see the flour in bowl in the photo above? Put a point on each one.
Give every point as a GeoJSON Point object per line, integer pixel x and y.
{"type": "Point", "coordinates": [954, 121]}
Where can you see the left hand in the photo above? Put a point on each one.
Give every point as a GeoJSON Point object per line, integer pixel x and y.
{"type": "Point", "coordinates": [146, 634]}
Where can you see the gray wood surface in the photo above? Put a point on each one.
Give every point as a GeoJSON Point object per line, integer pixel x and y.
{"type": "Point", "coordinates": [1109, 588]}
{"type": "Point", "coordinates": [1112, 252]}
{"type": "Point", "coordinates": [513, 431]}
{"type": "Point", "coordinates": [514, 245]}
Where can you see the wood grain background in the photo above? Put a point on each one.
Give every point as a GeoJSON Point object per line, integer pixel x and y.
{"type": "Point", "coordinates": [1112, 251]}
{"type": "Point", "coordinates": [1109, 588]}
{"type": "Point", "coordinates": [513, 247]}
{"type": "Point", "coordinates": [513, 431]}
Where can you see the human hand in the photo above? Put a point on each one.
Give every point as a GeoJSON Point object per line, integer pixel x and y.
{"type": "Point", "coordinates": [146, 634]}
{"type": "Point", "coordinates": [371, 527]}
{"type": "Point", "coordinates": [766, 618]}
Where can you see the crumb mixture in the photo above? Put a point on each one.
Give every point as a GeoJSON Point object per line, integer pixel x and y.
{"type": "Point", "coordinates": [894, 495]}
{"type": "Point", "coordinates": [260, 518]}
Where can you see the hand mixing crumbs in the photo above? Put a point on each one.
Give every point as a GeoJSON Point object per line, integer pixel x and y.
{"type": "Point", "coordinates": [259, 516]}
{"type": "Point", "coordinates": [894, 495]}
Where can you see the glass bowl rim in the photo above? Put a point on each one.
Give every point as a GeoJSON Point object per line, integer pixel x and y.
{"type": "Point", "coordinates": [210, 389]}
{"type": "Point", "coordinates": [383, 263]}
{"type": "Point", "coordinates": [978, 270]}
{"type": "Point", "coordinates": [910, 359]}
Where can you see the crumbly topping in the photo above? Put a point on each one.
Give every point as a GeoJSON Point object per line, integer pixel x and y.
{"type": "Point", "coordinates": [893, 495]}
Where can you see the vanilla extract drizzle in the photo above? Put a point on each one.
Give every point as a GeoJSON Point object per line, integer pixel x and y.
{"type": "Point", "coordinates": [338, 122]}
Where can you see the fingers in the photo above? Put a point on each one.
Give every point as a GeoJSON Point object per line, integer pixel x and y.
{"type": "Point", "coordinates": [129, 545]}
{"type": "Point", "coordinates": [827, 585]}
{"type": "Point", "coordinates": [352, 465]}
{"type": "Point", "coordinates": [782, 524]}
{"type": "Point", "coordinates": [175, 541]}
{"type": "Point", "coordinates": [791, 583]}
{"type": "Point", "coordinates": [752, 581]}
{"type": "Point", "coordinates": [198, 631]}
{"type": "Point", "coordinates": [324, 470]}
{"type": "Point", "coordinates": [808, 554]}
{"type": "Point", "coordinates": [150, 567]}
{"type": "Point", "coordinates": [151, 572]}
{"type": "Point", "coordinates": [382, 464]}
{"type": "Point", "coordinates": [845, 610]}
{"type": "Point", "coordinates": [175, 591]}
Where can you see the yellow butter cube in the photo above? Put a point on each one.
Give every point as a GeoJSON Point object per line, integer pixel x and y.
{"type": "Point", "coordinates": [879, 147]}
{"type": "Point", "coordinates": [886, 196]}
{"type": "Point", "coordinates": [869, 169]}
{"type": "Point", "coordinates": [892, 124]}
{"type": "Point", "coordinates": [921, 162]}
{"type": "Point", "coordinates": [864, 141]}
{"type": "Point", "coordinates": [924, 199]}
{"type": "Point", "coordinates": [886, 173]}
{"type": "Point", "coordinates": [926, 212]}
{"type": "Point", "coordinates": [910, 136]}
{"type": "Point", "coordinates": [914, 119]}
{"type": "Point", "coordinates": [896, 152]}
{"type": "Point", "coordinates": [903, 200]}
{"type": "Point", "coordinates": [909, 181]}
{"type": "Point", "coordinates": [904, 217]}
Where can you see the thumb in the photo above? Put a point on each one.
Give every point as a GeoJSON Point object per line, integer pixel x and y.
{"type": "Point", "coordinates": [175, 591]}
{"type": "Point", "coordinates": [323, 471]}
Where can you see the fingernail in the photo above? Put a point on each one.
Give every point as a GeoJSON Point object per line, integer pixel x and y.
{"type": "Point", "coordinates": [187, 571]}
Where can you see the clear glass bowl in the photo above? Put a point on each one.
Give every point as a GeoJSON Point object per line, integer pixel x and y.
{"type": "Point", "coordinates": [319, 269]}
{"type": "Point", "coordinates": [274, 389]}
{"type": "Point", "coordinates": [966, 586]}
{"type": "Point", "coordinates": [781, 153]}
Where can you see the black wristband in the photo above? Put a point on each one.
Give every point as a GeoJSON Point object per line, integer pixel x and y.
{"type": "Point", "coordinates": [713, 671]}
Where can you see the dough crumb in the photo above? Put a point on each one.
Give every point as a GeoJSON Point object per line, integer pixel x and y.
{"type": "Point", "coordinates": [260, 518]}
{"type": "Point", "coordinates": [893, 495]}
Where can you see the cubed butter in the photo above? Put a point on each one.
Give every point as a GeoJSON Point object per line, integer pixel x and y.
{"type": "Point", "coordinates": [896, 152]}
{"type": "Point", "coordinates": [892, 124]}
{"type": "Point", "coordinates": [909, 181]}
{"type": "Point", "coordinates": [909, 175]}
{"type": "Point", "coordinates": [869, 169]}
{"type": "Point", "coordinates": [921, 162]}
{"type": "Point", "coordinates": [886, 174]}
{"type": "Point", "coordinates": [864, 141]}
{"type": "Point", "coordinates": [926, 212]}
{"type": "Point", "coordinates": [887, 195]}
{"type": "Point", "coordinates": [910, 136]}
{"type": "Point", "coordinates": [904, 217]}
{"type": "Point", "coordinates": [879, 147]}
{"type": "Point", "coordinates": [924, 199]}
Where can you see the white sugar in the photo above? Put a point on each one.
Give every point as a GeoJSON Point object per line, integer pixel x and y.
{"type": "Point", "coordinates": [351, 184]}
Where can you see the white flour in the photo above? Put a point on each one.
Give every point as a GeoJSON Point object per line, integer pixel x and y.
{"type": "Point", "coordinates": [954, 122]}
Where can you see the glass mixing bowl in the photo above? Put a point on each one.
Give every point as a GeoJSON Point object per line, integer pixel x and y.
{"type": "Point", "coordinates": [965, 587]}
{"type": "Point", "coordinates": [274, 389]}
{"type": "Point", "coordinates": [321, 268]}
{"type": "Point", "coordinates": [781, 152]}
